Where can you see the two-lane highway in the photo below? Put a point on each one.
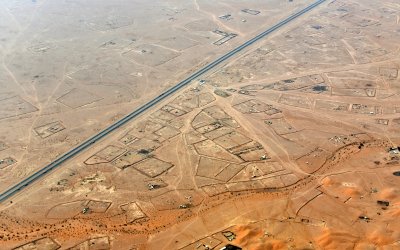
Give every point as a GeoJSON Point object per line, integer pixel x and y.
{"type": "Point", "coordinates": [73, 152]}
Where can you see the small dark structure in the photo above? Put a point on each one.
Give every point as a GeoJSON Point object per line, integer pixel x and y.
{"type": "Point", "coordinates": [144, 151]}
{"type": "Point", "coordinates": [251, 12]}
{"type": "Point", "coordinates": [394, 150]}
{"type": "Point", "coordinates": [320, 88]}
{"type": "Point", "coordinates": [365, 218]}
{"type": "Point", "coordinates": [383, 203]}
{"type": "Point", "coordinates": [231, 247]}
{"type": "Point", "coordinates": [397, 173]}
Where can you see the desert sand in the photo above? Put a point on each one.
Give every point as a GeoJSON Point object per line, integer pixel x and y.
{"type": "Point", "coordinates": [292, 144]}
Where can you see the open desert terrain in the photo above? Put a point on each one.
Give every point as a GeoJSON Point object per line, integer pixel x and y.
{"type": "Point", "coordinates": [292, 143]}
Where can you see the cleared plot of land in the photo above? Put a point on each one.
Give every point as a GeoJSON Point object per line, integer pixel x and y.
{"type": "Point", "coordinates": [98, 206]}
{"type": "Point", "coordinates": [100, 243]}
{"type": "Point", "coordinates": [152, 167]}
{"type": "Point", "coordinates": [296, 101]}
{"type": "Point", "coordinates": [209, 148]}
{"type": "Point", "coordinates": [7, 162]}
{"type": "Point", "coordinates": [44, 243]}
{"type": "Point", "coordinates": [133, 212]}
{"type": "Point", "coordinates": [167, 132]}
{"type": "Point", "coordinates": [332, 105]}
{"type": "Point", "coordinates": [280, 126]}
{"type": "Point", "coordinates": [151, 55]}
{"type": "Point", "coordinates": [67, 210]}
{"type": "Point", "coordinates": [296, 83]}
{"type": "Point", "coordinates": [177, 199]}
{"type": "Point", "coordinates": [77, 98]}
{"type": "Point", "coordinates": [49, 129]}
{"type": "Point", "coordinates": [354, 92]}
{"type": "Point", "coordinates": [128, 158]}
{"type": "Point", "coordinates": [15, 106]}
{"type": "Point", "coordinates": [232, 140]}
{"type": "Point", "coordinates": [107, 154]}
{"type": "Point", "coordinates": [365, 109]}
{"type": "Point", "coordinates": [111, 22]}
{"type": "Point", "coordinates": [179, 43]}
{"type": "Point", "coordinates": [217, 169]}
{"type": "Point", "coordinates": [253, 106]}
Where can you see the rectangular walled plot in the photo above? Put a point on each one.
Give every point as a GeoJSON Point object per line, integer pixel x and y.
{"type": "Point", "coordinates": [354, 92]}
{"type": "Point", "coordinates": [77, 98]}
{"type": "Point", "coordinates": [296, 83]}
{"type": "Point", "coordinates": [212, 190]}
{"type": "Point", "coordinates": [353, 80]}
{"type": "Point", "coordinates": [229, 172]}
{"type": "Point", "coordinates": [206, 243]}
{"type": "Point", "coordinates": [205, 98]}
{"type": "Point", "coordinates": [389, 73]}
{"type": "Point", "coordinates": [49, 129]}
{"type": "Point", "coordinates": [280, 126]}
{"type": "Point", "coordinates": [365, 109]}
{"type": "Point", "coordinates": [152, 167]}
{"type": "Point", "coordinates": [210, 168]}
{"type": "Point", "coordinates": [129, 158]}
{"type": "Point", "coordinates": [162, 116]}
{"type": "Point", "coordinates": [167, 132]}
{"type": "Point", "coordinates": [15, 106]}
{"type": "Point", "coordinates": [266, 168]}
{"type": "Point", "coordinates": [216, 113]}
{"type": "Point", "coordinates": [43, 243]}
{"type": "Point", "coordinates": [382, 121]}
{"type": "Point", "coordinates": [251, 12]}
{"type": "Point", "coordinates": [194, 137]}
{"type": "Point", "coordinates": [110, 22]}
{"type": "Point", "coordinates": [211, 149]}
{"type": "Point", "coordinates": [105, 155]}
{"type": "Point", "coordinates": [232, 140]}
{"type": "Point", "coordinates": [145, 127]}
{"type": "Point", "coordinates": [312, 161]}
{"type": "Point", "coordinates": [252, 106]}
{"type": "Point", "coordinates": [128, 138]}
{"type": "Point", "coordinates": [273, 111]}
{"type": "Point", "coordinates": [391, 110]}
{"type": "Point", "coordinates": [187, 101]}
{"type": "Point", "coordinates": [295, 101]}
{"type": "Point", "coordinates": [7, 162]}
{"type": "Point", "coordinates": [151, 55]}
{"type": "Point", "coordinates": [179, 43]}
{"type": "Point", "coordinates": [146, 144]}
{"type": "Point", "coordinates": [98, 206]}
{"type": "Point", "coordinates": [218, 132]}
{"type": "Point", "coordinates": [201, 120]}
{"type": "Point", "coordinates": [244, 186]}
{"type": "Point", "coordinates": [67, 210]}
{"type": "Point", "coordinates": [174, 199]}
{"type": "Point", "coordinates": [251, 146]}
{"type": "Point", "coordinates": [253, 155]}
{"type": "Point", "coordinates": [332, 105]}
{"type": "Point", "coordinates": [100, 243]}
{"type": "Point", "coordinates": [210, 127]}
{"type": "Point", "coordinates": [173, 110]}
{"type": "Point", "coordinates": [289, 179]}
{"type": "Point", "coordinates": [133, 212]}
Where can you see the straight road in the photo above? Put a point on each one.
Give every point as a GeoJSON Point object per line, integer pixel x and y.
{"type": "Point", "coordinates": [73, 152]}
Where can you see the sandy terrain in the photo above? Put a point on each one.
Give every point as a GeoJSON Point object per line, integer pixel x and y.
{"type": "Point", "coordinates": [293, 144]}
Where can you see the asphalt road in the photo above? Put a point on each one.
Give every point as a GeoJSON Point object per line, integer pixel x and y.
{"type": "Point", "coordinates": [73, 152]}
